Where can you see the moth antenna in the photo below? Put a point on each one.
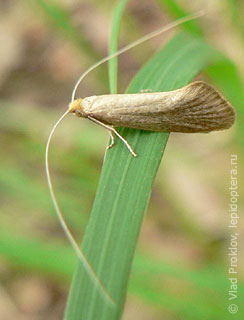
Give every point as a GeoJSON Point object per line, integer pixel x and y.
{"type": "Point", "coordinates": [136, 43]}
{"type": "Point", "coordinates": [81, 255]}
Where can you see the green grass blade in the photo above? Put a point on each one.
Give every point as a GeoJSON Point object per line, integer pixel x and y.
{"type": "Point", "coordinates": [220, 75]}
{"type": "Point", "coordinates": [37, 255]}
{"type": "Point", "coordinates": [61, 21]}
{"type": "Point", "coordinates": [235, 9]}
{"type": "Point", "coordinates": [177, 12]}
{"type": "Point", "coordinates": [125, 185]}
{"type": "Point", "coordinates": [113, 63]}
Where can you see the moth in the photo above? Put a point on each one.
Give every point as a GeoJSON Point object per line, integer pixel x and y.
{"type": "Point", "coordinates": [197, 107]}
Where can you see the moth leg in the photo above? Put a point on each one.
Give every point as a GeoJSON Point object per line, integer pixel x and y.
{"type": "Point", "coordinates": [112, 139]}
{"type": "Point", "coordinates": [111, 131]}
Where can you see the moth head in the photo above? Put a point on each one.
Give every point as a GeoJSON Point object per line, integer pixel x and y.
{"type": "Point", "coordinates": [76, 107]}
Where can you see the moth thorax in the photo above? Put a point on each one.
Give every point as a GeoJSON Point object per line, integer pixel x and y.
{"type": "Point", "coordinates": [77, 108]}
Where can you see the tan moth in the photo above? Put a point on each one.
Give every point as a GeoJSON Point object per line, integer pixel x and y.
{"type": "Point", "coordinates": [197, 107]}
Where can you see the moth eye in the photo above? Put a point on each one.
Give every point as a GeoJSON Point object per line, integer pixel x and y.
{"type": "Point", "coordinates": [78, 113]}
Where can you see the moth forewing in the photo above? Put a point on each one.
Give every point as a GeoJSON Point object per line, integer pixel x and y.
{"type": "Point", "coordinates": [197, 107]}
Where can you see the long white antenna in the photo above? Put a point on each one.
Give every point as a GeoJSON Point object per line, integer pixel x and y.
{"type": "Point", "coordinates": [136, 43]}
{"type": "Point", "coordinates": [76, 247]}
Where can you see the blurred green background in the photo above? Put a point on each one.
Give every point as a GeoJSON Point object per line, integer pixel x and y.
{"type": "Point", "coordinates": [181, 264]}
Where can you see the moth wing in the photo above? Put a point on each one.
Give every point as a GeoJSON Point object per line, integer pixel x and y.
{"type": "Point", "coordinates": [197, 107]}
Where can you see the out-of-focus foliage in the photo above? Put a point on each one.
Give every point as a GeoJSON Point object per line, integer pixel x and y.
{"type": "Point", "coordinates": [185, 237]}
